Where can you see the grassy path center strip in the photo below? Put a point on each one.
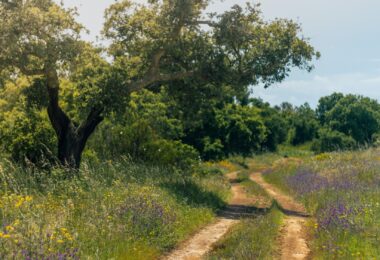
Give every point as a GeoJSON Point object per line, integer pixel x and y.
{"type": "Point", "coordinates": [293, 234]}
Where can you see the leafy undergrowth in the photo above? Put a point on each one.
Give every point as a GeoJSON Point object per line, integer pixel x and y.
{"type": "Point", "coordinates": [251, 239]}
{"type": "Point", "coordinates": [342, 190]}
{"type": "Point", "coordinates": [114, 210]}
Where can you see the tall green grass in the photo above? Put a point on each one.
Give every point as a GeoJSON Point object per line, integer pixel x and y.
{"type": "Point", "coordinates": [119, 210]}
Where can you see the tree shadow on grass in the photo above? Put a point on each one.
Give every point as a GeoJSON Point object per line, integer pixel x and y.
{"type": "Point", "coordinates": [192, 194]}
{"type": "Point", "coordinates": [241, 211]}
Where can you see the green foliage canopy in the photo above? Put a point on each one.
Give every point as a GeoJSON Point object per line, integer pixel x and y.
{"type": "Point", "coordinates": [355, 116]}
{"type": "Point", "coordinates": [170, 43]}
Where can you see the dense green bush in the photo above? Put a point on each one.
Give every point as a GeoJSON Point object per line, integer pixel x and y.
{"type": "Point", "coordinates": [212, 149]}
{"type": "Point", "coordinates": [331, 140]}
{"type": "Point", "coordinates": [241, 129]}
{"type": "Point", "coordinates": [26, 135]}
{"type": "Point", "coordinates": [145, 132]}
{"type": "Point", "coordinates": [174, 153]}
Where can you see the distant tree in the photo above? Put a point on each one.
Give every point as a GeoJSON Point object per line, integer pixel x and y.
{"type": "Point", "coordinates": [304, 125]}
{"type": "Point", "coordinates": [355, 116]}
{"type": "Point", "coordinates": [152, 44]}
{"type": "Point", "coordinates": [277, 128]}
{"type": "Point", "coordinates": [276, 124]}
{"type": "Point", "coordinates": [326, 104]}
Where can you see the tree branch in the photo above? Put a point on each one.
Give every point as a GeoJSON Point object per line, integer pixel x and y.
{"type": "Point", "coordinates": [86, 128]}
{"type": "Point", "coordinates": [202, 22]}
{"type": "Point", "coordinates": [147, 81]}
{"type": "Point", "coordinates": [24, 70]}
{"type": "Point", "coordinates": [153, 74]}
{"type": "Point", "coordinates": [155, 66]}
{"type": "Point", "coordinates": [30, 72]}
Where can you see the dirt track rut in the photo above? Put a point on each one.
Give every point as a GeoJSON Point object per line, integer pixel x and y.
{"type": "Point", "coordinates": [293, 237]}
{"type": "Point", "coordinates": [201, 243]}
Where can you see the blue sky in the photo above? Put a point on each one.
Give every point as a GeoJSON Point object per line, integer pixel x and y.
{"type": "Point", "coordinates": [346, 32]}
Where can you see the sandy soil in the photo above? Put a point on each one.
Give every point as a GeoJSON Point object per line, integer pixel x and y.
{"type": "Point", "coordinates": [202, 242]}
{"type": "Point", "coordinates": [293, 237]}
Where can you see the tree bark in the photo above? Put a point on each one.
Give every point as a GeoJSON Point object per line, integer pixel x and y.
{"type": "Point", "coordinates": [72, 139]}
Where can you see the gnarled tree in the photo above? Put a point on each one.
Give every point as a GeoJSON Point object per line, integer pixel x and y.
{"type": "Point", "coordinates": [152, 44]}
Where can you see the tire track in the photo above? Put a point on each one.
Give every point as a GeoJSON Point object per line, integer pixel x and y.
{"type": "Point", "coordinates": [293, 237]}
{"type": "Point", "coordinates": [201, 243]}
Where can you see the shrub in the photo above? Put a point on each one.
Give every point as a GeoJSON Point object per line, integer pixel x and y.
{"type": "Point", "coordinates": [330, 140]}
{"type": "Point", "coordinates": [26, 134]}
{"type": "Point", "coordinates": [27, 137]}
{"type": "Point", "coordinates": [171, 153]}
{"type": "Point", "coordinates": [241, 129]}
{"type": "Point", "coordinates": [212, 149]}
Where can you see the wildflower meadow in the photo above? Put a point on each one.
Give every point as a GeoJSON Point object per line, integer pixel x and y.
{"type": "Point", "coordinates": [111, 210]}
{"type": "Point", "coordinates": [342, 191]}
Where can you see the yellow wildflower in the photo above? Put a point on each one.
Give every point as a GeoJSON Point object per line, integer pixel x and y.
{"type": "Point", "coordinates": [2, 235]}
{"type": "Point", "coordinates": [19, 203]}
{"type": "Point", "coordinates": [9, 228]}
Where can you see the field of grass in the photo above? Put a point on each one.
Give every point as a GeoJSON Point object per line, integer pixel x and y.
{"type": "Point", "coordinates": [342, 191]}
{"type": "Point", "coordinates": [109, 210]}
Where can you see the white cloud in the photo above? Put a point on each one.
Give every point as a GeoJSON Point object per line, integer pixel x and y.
{"type": "Point", "coordinates": [301, 91]}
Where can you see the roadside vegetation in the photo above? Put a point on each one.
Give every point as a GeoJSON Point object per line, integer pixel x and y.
{"type": "Point", "coordinates": [342, 191]}
{"type": "Point", "coordinates": [112, 210]}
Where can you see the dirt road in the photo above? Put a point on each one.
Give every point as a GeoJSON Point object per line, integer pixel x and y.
{"type": "Point", "coordinates": [201, 243]}
{"type": "Point", "coordinates": [293, 237]}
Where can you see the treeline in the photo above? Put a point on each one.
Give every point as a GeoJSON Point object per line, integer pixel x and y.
{"type": "Point", "coordinates": [158, 127]}
{"type": "Point", "coordinates": [339, 122]}
{"type": "Point", "coordinates": [179, 129]}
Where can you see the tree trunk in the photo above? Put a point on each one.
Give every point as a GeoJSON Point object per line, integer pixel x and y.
{"type": "Point", "coordinates": [70, 148]}
{"type": "Point", "coordinates": [72, 139]}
